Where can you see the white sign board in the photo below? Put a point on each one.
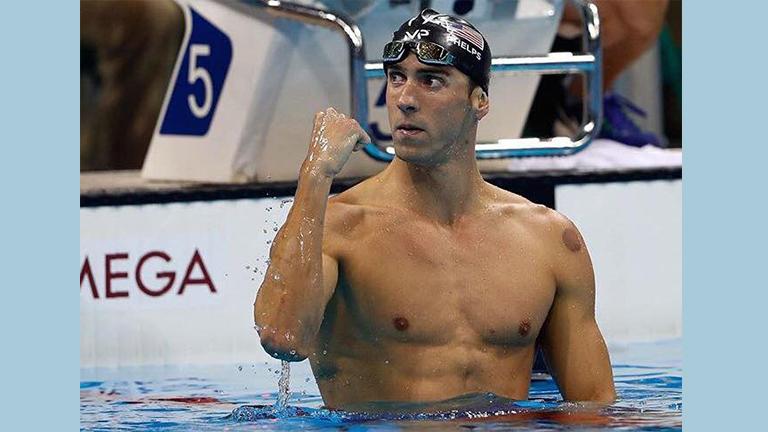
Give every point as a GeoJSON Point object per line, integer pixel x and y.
{"type": "Point", "coordinates": [246, 86]}
{"type": "Point", "coordinates": [175, 283]}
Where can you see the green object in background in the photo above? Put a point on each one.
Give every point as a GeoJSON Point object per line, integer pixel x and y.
{"type": "Point", "coordinates": [671, 64]}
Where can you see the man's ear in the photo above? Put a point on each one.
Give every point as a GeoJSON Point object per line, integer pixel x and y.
{"type": "Point", "coordinates": [480, 103]}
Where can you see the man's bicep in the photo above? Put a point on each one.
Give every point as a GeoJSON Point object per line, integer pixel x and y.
{"type": "Point", "coordinates": [577, 357]}
{"type": "Point", "coordinates": [572, 342]}
{"type": "Point", "coordinates": [330, 276]}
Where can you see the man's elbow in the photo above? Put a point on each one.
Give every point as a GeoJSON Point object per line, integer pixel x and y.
{"type": "Point", "coordinates": [606, 397]}
{"type": "Point", "coordinates": [282, 335]}
{"type": "Point", "coordinates": [281, 345]}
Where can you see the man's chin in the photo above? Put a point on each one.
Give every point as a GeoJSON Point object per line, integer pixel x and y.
{"type": "Point", "coordinates": [418, 155]}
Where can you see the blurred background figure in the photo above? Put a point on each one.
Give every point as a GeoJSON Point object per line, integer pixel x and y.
{"type": "Point", "coordinates": [127, 52]}
{"type": "Point", "coordinates": [630, 29]}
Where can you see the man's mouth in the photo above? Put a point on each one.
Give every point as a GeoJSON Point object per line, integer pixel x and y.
{"type": "Point", "coordinates": [408, 129]}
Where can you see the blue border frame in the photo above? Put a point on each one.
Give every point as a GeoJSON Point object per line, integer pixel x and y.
{"type": "Point", "coordinates": [40, 228]}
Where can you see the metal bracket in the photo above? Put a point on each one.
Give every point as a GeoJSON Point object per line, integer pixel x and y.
{"type": "Point", "coordinates": [588, 63]}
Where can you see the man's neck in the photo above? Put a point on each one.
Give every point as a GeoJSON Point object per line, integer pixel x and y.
{"type": "Point", "coordinates": [444, 192]}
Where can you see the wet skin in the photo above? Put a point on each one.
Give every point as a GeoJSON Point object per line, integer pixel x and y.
{"type": "Point", "coordinates": [424, 311]}
{"type": "Point", "coordinates": [434, 283]}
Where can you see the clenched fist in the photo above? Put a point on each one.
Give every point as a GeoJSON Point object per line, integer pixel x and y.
{"type": "Point", "coordinates": [334, 138]}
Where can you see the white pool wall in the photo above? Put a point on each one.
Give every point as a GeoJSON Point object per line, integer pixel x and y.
{"type": "Point", "coordinates": [633, 231]}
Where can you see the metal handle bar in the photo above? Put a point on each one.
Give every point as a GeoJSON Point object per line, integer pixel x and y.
{"type": "Point", "coordinates": [589, 63]}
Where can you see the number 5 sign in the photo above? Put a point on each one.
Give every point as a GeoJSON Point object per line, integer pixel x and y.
{"type": "Point", "coordinates": [199, 80]}
{"type": "Point", "coordinates": [242, 83]}
{"type": "Point", "coordinates": [203, 128]}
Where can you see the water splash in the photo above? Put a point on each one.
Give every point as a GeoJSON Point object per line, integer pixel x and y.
{"type": "Point", "coordinates": [283, 385]}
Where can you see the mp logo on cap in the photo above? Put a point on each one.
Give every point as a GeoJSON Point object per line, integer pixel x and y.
{"type": "Point", "coordinates": [416, 34]}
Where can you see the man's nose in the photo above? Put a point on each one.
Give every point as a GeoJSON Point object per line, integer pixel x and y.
{"type": "Point", "coordinates": [406, 100]}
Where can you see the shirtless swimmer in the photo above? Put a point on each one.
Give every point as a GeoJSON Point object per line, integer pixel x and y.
{"type": "Point", "coordinates": [424, 282]}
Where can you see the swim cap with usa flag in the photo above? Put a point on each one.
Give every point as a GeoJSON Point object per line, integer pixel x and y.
{"type": "Point", "coordinates": [469, 50]}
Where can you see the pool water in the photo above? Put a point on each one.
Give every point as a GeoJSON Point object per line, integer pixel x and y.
{"type": "Point", "coordinates": [242, 397]}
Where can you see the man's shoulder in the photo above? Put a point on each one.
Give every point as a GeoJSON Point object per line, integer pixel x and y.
{"type": "Point", "coordinates": [350, 207]}
{"type": "Point", "coordinates": [351, 201]}
{"type": "Point", "coordinates": [511, 204]}
{"type": "Point", "coordinates": [538, 218]}
{"type": "Point", "coordinates": [553, 234]}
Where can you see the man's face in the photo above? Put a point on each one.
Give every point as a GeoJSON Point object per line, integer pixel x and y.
{"type": "Point", "coordinates": [430, 110]}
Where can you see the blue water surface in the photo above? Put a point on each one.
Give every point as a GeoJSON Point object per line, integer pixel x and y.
{"type": "Point", "coordinates": [242, 397]}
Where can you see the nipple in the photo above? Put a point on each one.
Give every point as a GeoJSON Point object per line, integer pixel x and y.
{"type": "Point", "coordinates": [524, 328]}
{"type": "Point", "coordinates": [400, 323]}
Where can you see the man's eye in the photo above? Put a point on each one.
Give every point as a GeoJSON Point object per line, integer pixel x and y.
{"type": "Point", "coordinates": [395, 77]}
{"type": "Point", "coordinates": [433, 81]}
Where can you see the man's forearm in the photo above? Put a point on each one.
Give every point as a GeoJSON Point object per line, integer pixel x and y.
{"type": "Point", "coordinates": [290, 303]}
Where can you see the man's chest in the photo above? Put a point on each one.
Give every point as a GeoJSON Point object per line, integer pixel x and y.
{"type": "Point", "coordinates": [422, 285]}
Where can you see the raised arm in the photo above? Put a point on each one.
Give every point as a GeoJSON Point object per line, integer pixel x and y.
{"type": "Point", "coordinates": [300, 280]}
{"type": "Point", "coordinates": [573, 345]}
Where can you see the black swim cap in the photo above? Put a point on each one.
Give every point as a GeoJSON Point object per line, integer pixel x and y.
{"type": "Point", "coordinates": [469, 51]}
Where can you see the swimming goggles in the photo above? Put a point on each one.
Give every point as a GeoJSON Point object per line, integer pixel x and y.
{"type": "Point", "coordinates": [427, 52]}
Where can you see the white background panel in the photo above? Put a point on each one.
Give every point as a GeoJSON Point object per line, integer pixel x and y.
{"type": "Point", "coordinates": [634, 233]}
